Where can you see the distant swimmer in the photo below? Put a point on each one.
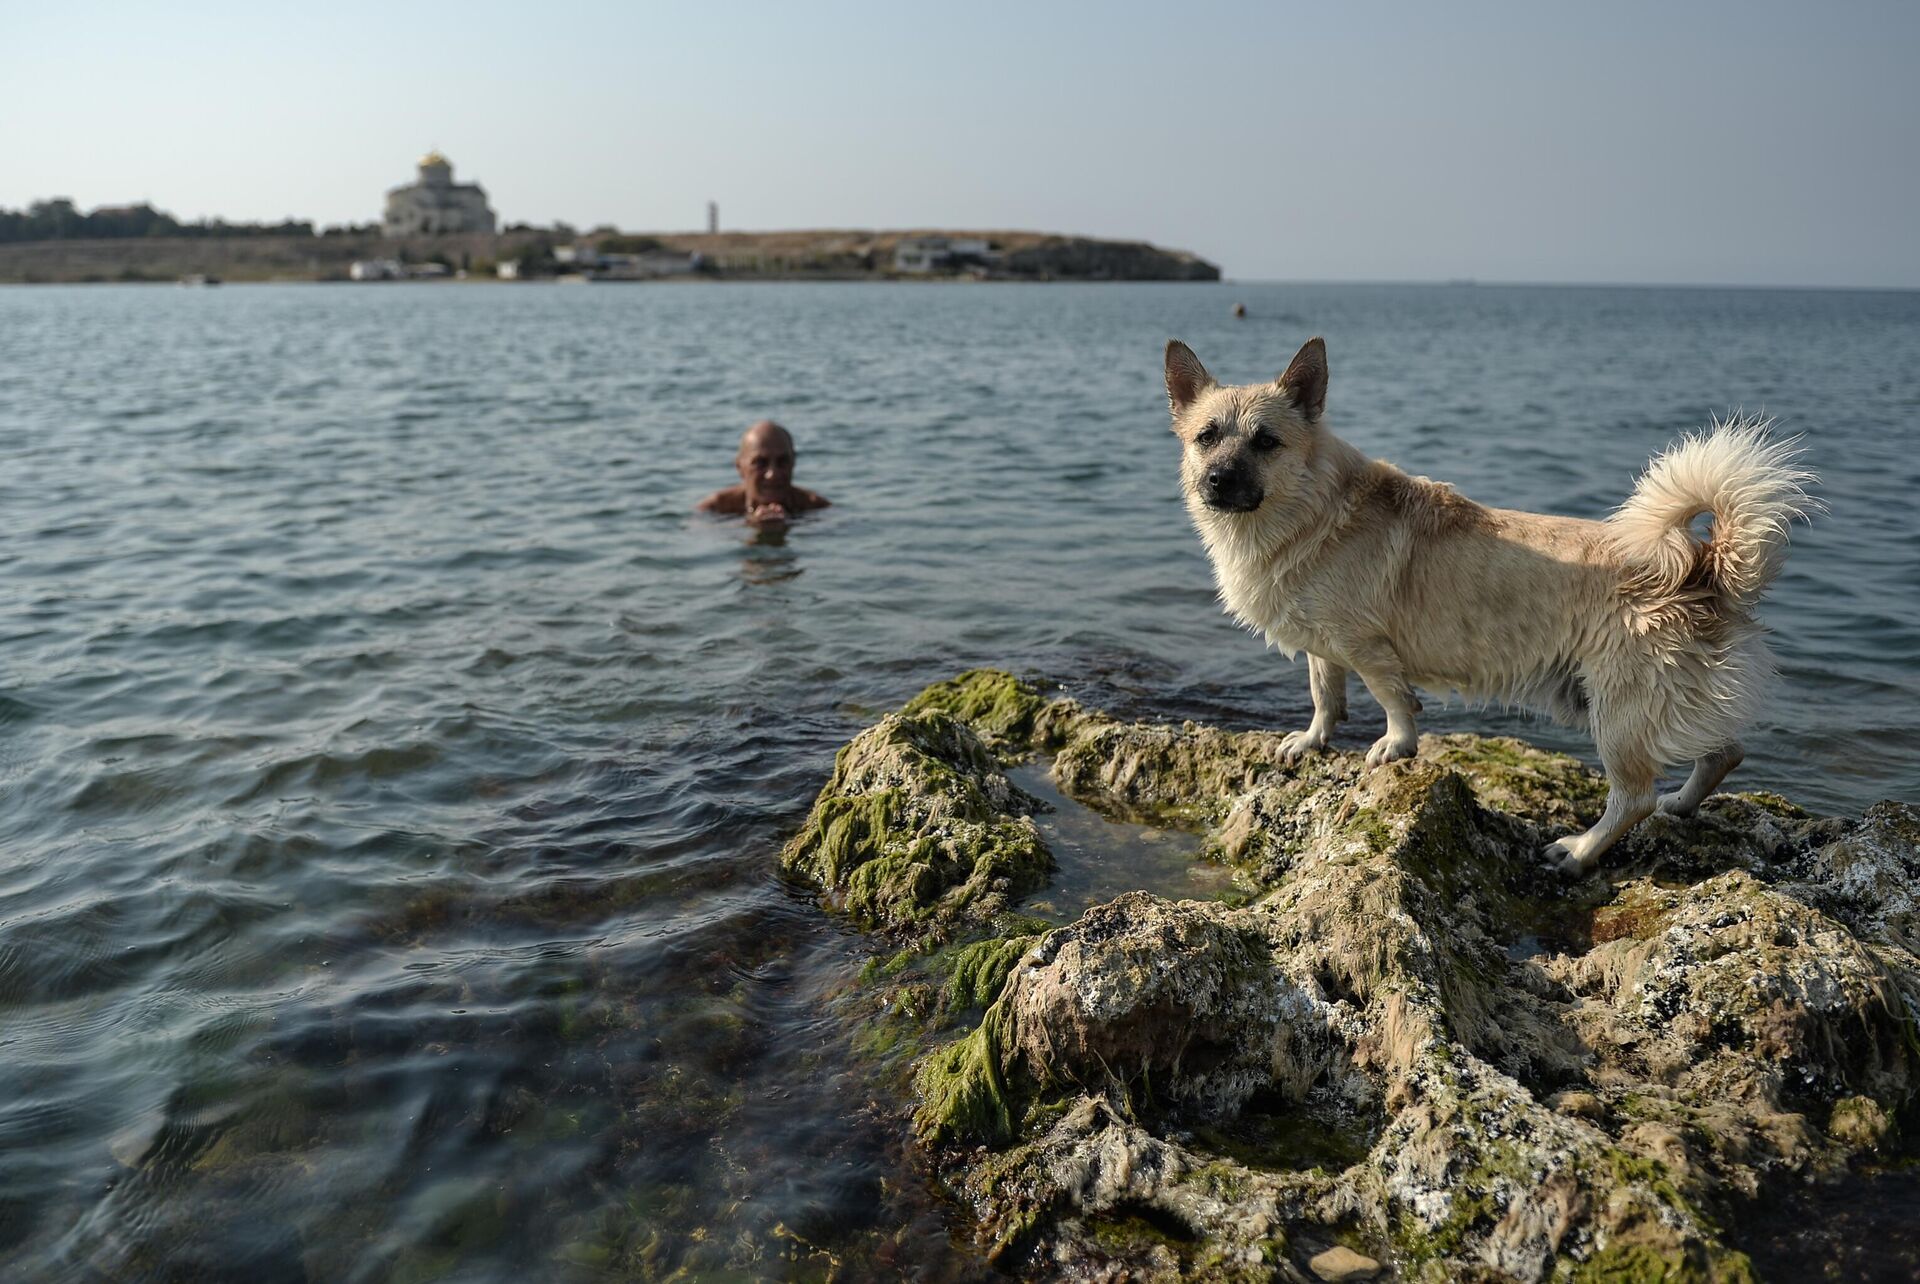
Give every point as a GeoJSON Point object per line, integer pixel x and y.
{"type": "Point", "coordinates": [1240, 309]}
{"type": "Point", "coordinates": [766, 495]}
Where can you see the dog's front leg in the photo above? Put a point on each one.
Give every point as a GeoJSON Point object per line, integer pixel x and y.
{"type": "Point", "coordinates": [1386, 678]}
{"type": "Point", "coordinates": [1328, 682]}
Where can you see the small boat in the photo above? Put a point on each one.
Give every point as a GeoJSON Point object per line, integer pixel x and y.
{"type": "Point", "coordinates": [199, 278]}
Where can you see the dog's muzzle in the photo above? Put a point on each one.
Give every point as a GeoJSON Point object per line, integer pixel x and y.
{"type": "Point", "coordinates": [1231, 490]}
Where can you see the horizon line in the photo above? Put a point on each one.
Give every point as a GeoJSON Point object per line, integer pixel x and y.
{"type": "Point", "coordinates": [1465, 282]}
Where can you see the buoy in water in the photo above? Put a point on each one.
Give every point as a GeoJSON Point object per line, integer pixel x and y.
{"type": "Point", "coordinates": [1239, 309]}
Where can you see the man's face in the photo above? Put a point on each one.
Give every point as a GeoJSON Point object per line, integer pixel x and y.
{"type": "Point", "coordinates": [766, 464]}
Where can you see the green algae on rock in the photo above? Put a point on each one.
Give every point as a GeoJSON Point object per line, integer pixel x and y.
{"type": "Point", "coordinates": [1414, 1042]}
{"type": "Point", "coordinates": [1008, 714]}
{"type": "Point", "coordinates": [919, 830]}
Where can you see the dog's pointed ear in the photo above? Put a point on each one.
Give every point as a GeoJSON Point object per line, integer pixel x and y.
{"type": "Point", "coordinates": [1306, 378]}
{"type": "Point", "coordinates": [1186, 377]}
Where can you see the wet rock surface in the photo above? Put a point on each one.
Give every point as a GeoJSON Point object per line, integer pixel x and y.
{"type": "Point", "coordinates": [1414, 1051]}
{"type": "Point", "coordinates": [919, 831]}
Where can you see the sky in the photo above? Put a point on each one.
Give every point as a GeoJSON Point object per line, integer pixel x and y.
{"type": "Point", "coordinates": [1708, 143]}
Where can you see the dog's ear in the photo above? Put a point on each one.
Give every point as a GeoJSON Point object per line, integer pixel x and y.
{"type": "Point", "coordinates": [1186, 377]}
{"type": "Point", "coordinates": [1306, 378]}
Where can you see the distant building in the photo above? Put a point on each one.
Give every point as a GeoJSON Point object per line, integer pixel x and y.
{"type": "Point", "coordinates": [437, 204]}
{"type": "Point", "coordinates": [376, 270]}
{"type": "Point", "coordinates": [713, 218]}
{"type": "Point", "coordinates": [645, 266]}
{"type": "Point", "coordinates": [919, 254]}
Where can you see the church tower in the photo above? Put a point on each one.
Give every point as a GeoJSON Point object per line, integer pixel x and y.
{"type": "Point", "coordinates": [436, 170]}
{"type": "Point", "coordinates": [436, 205]}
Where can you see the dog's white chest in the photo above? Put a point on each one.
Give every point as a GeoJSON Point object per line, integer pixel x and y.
{"type": "Point", "coordinates": [1258, 596]}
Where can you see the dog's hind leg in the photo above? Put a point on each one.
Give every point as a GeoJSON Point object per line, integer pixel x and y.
{"type": "Point", "coordinates": [1707, 774]}
{"type": "Point", "coordinates": [1630, 800]}
{"type": "Point", "coordinates": [1328, 682]}
{"type": "Point", "coordinates": [1386, 678]}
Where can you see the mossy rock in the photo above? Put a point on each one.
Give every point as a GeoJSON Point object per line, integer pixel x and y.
{"type": "Point", "coordinates": [919, 831]}
{"type": "Point", "coordinates": [1011, 716]}
{"type": "Point", "coordinates": [963, 1091]}
{"type": "Point", "coordinates": [1411, 996]}
{"type": "Point", "coordinates": [1552, 790]}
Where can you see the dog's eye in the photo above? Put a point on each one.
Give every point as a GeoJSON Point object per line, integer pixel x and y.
{"type": "Point", "coordinates": [1208, 435]}
{"type": "Point", "coordinates": [1264, 440]}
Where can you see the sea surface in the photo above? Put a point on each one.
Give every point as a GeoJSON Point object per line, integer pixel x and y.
{"type": "Point", "coordinates": [392, 765]}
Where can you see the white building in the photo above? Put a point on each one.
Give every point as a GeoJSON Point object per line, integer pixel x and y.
{"type": "Point", "coordinates": [647, 266]}
{"type": "Point", "coordinates": [437, 204]}
{"type": "Point", "coordinates": [938, 253]}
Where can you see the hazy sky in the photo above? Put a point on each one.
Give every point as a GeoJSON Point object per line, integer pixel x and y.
{"type": "Point", "coordinates": [1698, 142]}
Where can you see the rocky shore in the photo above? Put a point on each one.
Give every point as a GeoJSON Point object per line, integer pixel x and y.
{"type": "Point", "coordinates": [1405, 1050]}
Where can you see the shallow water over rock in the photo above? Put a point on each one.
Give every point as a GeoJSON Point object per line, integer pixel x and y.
{"type": "Point", "coordinates": [1100, 856]}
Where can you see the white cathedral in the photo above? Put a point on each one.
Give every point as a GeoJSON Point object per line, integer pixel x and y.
{"type": "Point", "coordinates": [436, 203]}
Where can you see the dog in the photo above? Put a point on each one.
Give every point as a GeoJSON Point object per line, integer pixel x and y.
{"type": "Point", "coordinates": [1632, 626]}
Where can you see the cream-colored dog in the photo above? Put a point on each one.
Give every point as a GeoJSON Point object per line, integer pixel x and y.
{"type": "Point", "coordinates": [1632, 625]}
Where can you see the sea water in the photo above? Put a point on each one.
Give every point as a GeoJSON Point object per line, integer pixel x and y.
{"type": "Point", "coordinates": [393, 764]}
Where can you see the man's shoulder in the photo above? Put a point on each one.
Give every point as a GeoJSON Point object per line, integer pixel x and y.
{"type": "Point", "coordinates": [812, 498]}
{"type": "Point", "coordinates": [731, 500]}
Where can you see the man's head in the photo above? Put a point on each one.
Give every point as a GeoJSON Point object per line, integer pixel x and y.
{"type": "Point", "coordinates": [765, 462]}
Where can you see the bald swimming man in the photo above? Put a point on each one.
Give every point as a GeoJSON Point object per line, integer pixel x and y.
{"type": "Point", "coordinates": [766, 495]}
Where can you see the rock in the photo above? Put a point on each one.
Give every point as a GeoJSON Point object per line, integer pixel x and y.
{"type": "Point", "coordinates": [1056, 257]}
{"type": "Point", "coordinates": [1581, 1105]}
{"type": "Point", "coordinates": [1009, 715]}
{"type": "Point", "coordinates": [1340, 1264]}
{"type": "Point", "coordinates": [919, 831]}
{"type": "Point", "coordinates": [1860, 1122]}
{"type": "Point", "coordinates": [1414, 1039]}
{"type": "Point", "coordinates": [1868, 876]}
{"type": "Point", "coordinates": [1182, 998]}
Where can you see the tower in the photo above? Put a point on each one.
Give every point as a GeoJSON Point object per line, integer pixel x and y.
{"type": "Point", "coordinates": [713, 217]}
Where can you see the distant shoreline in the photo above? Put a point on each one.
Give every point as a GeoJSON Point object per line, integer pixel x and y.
{"type": "Point", "coordinates": [758, 256]}
{"type": "Point", "coordinates": [872, 279]}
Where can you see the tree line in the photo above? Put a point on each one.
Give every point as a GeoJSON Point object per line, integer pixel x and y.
{"type": "Point", "coordinates": [60, 220]}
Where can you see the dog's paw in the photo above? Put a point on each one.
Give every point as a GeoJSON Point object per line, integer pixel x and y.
{"type": "Point", "coordinates": [1391, 748]}
{"type": "Point", "coordinates": [1566, 857]}
{"type": "Point", "coordinates": [1675, 804]}
{"type": "Point", "coordinates": [1296, 745]}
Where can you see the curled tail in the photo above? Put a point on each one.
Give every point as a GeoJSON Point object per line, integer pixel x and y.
{"type": "Point", "coordinates": [1752, 486]}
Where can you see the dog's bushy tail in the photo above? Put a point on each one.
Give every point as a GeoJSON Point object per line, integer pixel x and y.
{"type": "Point", "coordinates": [1751, 484]}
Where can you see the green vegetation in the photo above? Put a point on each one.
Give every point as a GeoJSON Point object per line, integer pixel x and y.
{"type": "Point", "coordinates": [626, 243]}
{"type": "Point", "coordinates": [59, 219]}
{"type": "Point", "coordinates": [926, 850]}
{"type": "Point", "coordinates": [1000, 708]}
{"type": "Point", "coordinates": [963, 1093]}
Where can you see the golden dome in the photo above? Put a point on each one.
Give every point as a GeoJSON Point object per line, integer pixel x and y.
{"type": "Point", "coordinates": [435, 158]}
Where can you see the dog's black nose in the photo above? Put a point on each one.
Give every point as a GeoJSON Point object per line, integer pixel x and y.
{"type": "Point", "coordinates": [1231, 490]}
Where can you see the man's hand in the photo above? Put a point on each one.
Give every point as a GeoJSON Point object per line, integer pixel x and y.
{"type": "Point", "coordinates": [769, 514]}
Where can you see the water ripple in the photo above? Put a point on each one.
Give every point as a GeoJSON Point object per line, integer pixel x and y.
{"type": "Point", "coordinates": [395, 764]}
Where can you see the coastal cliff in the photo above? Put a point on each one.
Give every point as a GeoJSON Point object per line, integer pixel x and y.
{"type": "Point", "coordinates": [1403, 1049]}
